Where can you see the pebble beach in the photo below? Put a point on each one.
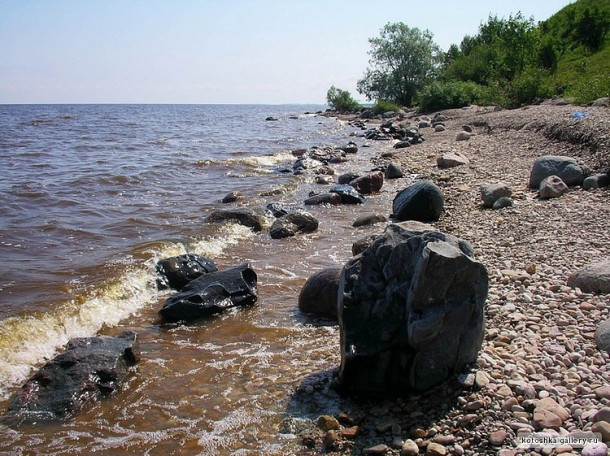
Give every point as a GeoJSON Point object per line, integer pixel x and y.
{"type": "Point", "coordinates": [539, 367]}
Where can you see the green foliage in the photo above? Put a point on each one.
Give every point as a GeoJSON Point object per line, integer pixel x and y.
{"type": "Point", "coordinates": [384, 106]}
{"type": "Point", "coordinates": [530, 85]}
{"type": "Point", "coordinates": [444, 95]}
{"type": "Point", "coordinates": [341, 100]}
{"type": "Point", "coordinates": [403, 59]}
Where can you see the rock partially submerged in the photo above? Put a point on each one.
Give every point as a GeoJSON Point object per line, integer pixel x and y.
{"type": "Point", "coordinates": [90, 369]}
{"type": "Point", "coordinates": [213, 293]}
{"type": "Point", "coordinates": [291, 224]}
{"type": "Point", "coordinates": [319, 293]}
{"type": "Point", "coordinates": [176, 272]}
{"type": "Point", "coordinates": [242, 216]}
{"type": "Point", "coordinates": [410, 312]}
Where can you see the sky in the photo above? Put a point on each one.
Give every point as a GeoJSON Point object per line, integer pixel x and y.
{"type": "Point", "coordinates": [213, 51]}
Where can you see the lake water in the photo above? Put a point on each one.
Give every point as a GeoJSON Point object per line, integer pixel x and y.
{"type": "Point", "coordinates": [91, 196]}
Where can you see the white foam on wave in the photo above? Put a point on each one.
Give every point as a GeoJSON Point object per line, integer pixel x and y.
{"type": "Point", "coordinates": [228, 234]}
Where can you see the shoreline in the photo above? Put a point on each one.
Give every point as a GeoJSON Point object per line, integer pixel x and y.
{"type": "Point", "coordinates": [539, 332]}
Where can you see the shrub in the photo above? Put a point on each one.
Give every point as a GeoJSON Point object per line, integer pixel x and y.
{"type": "Point", "coordinates": [341, 100]}
{"type": "Point", "coordinates": [530, 86]}
{"type": "Point", "coordinates": [384, 106]}
{"type": "Point", "coordinates": [444, 95]}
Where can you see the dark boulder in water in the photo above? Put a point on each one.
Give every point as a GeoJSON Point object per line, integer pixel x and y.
{"type": "Point", "coordinates": [242, 216]}
{"type": "Point", "coordinates": [323, 198]}
{"type": "Point", "coordinates": [345, 179]}
{"type": "Point", "coordinates": [90, 369]}
{"type": "Point", "coordinates": [369, 183]}
{"type": "Point", "coordinates": [291, 224]}
{"type": "Point", "coordinates": [176, 272]}
{"type": "Point", "coordinates": [319, 293]}
{"type": "Point", "coordinates": [212, 294]}
{"type": "Point", "coordinates": [348, 194]}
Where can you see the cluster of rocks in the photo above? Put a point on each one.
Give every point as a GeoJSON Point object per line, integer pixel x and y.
{"type": "Point", "coordinates": [543, 367]}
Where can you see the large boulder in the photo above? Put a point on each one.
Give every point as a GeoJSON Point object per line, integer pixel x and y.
{"type": "Point", "coordinates": [592, 278]}
{"type": "Point", "coordinates": [369, 183]}
{"type": "Point", "coordinates": [422, 201]}
{"type": "Point", "coordinates": [242, 216]}
{"type": "Point", "coordinates": [411, 312]}
{"type": "Point", "coordinates": [176, 272]}
{"type": "Point", "coordinates": [292, 224]}
{"type": "Point", "coordinates": [213, 293]}
{"type": "Point", "coordinates": [90, 369]}
{"type": "Point", "coordinates": [567, 168]}
{"type": "Point", "coordinates": [319, 293]}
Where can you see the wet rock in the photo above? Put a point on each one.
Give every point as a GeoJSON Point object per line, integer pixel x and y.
{"type": "Point", "coordinates": [293, 224]}
{"type": "Point", "coordinates": [491, 193]}
{"type": "Point", "coordinates": [271, 119]}
{"type": "Point", "coordinates": [369, 183]}
{"type": "Point", "coordinates": [451, 160]}
{"type": "Point", "coordinates": [177, 271]}
{"type": "Point", "coordinates": [242, 216]}
{"type": "Point", "coordinates": [231, 197]}
{"type": "Point", "coordinates": [552, 187]}
{"type": "Point", "coordinates": [427, 293]}
{"type": "Point", "coordinates": [346, 178]}
{"type": "Point", "coordinates": [592, 278]}
{"type": "Point", "coordinates": [348, 194]}
{"type": "Point", "coordinates": [393, 171]}
{"type": "Point", "coordinates": [350, 148]}
{"type": "Point", "coordinates": [324, 180]}
{"type": "Point", "coordinates": [602, 336]}
{"type": "Point", "coordinates": [324, 198]}
{"type": "Point", "coordinates": [362, 244]}
{"type": "Point", "coordinates": [422, 201]}
{"type": "Point", "coordinates": [596, 181]}
{"type": "Point", "coordinates": [369, 219]}
{"type": "Point", "coordinates": [566, 168]}
{"type": "Point", "coordinates": [213, 293]}
{"type": "Point", "coordinates": [90, 369]}
{"type": "Point", "coordinates": [319, 293]}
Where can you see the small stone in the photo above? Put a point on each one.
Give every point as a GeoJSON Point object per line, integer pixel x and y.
{"type": "Point", "coordinates": [481, 379]}
{"type": "Point", "coordinates": [327, 423]}
{"type": "Point", "coordinates": [418, 433]}
{"type": "Point", "coordinates": [603, 392]}
{"type": "Point", "coordinates": [603, 427]}
{"type": "Point", "coordinates": [444, 439]}
{"type": "Point", "coordinates": [435, 449]}
{"type": "Point", "coordinates": [552, 187]}
{"type": "Point", "coordinates": [466, 379]}
{"type": "Point", "coordinates": [509, 403]}
{"type": "Point", "coordinates": [595, 449]}
{"type": "Point", "coordinates": [497, 438]}
{"type": "Point", "coordinates": [462, 136]}
{"type": "Point", "coordinates": [565, 448]}
{"type": "Point", "coordinates": [377, 449]}
{"type": "Point", "coordinates": [474, 405]}
{"type": "Point", "coordinates": [409, 448]}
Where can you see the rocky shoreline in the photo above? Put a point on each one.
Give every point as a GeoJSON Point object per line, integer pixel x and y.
{"type": "Point", "coordinates": [539, 367]}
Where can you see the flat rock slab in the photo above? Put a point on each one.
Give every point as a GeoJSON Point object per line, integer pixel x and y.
{"type": "Point", "coordinates": [91, 368]}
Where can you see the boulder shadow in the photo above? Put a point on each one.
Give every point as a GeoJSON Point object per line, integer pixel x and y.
{"type": "Point", "coordinates": [368, 420]}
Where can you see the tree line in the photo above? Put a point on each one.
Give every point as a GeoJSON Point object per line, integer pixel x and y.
{"type": "Point", "coordinates": [509, 62]}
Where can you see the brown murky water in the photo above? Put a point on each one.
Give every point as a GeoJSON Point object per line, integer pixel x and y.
{"type": "Point", "coordinates": [92, 197]}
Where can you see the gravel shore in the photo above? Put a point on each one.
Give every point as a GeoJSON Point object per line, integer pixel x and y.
{"type": "Point", "coordinates": [539, 355]}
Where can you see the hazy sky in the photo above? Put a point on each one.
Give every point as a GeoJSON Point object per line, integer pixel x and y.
{"type": "Point", "coordinates": [213, 51]}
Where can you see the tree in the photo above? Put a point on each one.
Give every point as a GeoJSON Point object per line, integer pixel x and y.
{"type": "Point", "coordinates": [341, 100]}
{"type": "Point", "coordinates": [403, 60]}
